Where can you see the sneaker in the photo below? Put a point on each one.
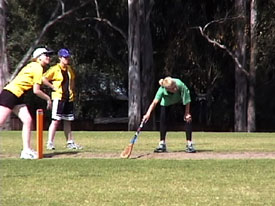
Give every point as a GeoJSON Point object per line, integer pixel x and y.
{"type": "Point", "coordinates": [161, 148]}
{"type": "Point", "coordinates": [28, 154]}
{"type": "Point", "coordinates": [73, 145]}
{"type": "Point", "coordinates": [190, 148]}
{"type": "Point", "coordinates": [50, 146]}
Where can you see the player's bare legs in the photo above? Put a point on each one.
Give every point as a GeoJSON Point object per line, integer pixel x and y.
{"type": "Point", "coordinates": [5, 112]}
{"type": "Point", "coordinates": [23, 113]}
{"type": "Point", "coordinates": [68, 130]}
{"type": "Point", "coordinates": [52, 130]}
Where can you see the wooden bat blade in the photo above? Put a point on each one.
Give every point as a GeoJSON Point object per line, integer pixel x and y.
{"type": "Point", "coordinates": [127, 151]}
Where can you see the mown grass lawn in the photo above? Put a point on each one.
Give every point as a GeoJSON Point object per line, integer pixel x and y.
{"type": "Point", "coordinates": [114, 181]}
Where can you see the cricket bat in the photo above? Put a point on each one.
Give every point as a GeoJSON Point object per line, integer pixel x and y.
{"type": "Point", "coordinates": [126, 153]}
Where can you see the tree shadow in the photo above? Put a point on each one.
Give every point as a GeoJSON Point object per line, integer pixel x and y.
{"type": "Point", "coordinates": [197, 151]}
{"type": "Point", "coordinates": [50, 155]}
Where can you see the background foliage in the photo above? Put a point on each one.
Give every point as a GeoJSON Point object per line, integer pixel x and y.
{"type": "Point", "coordinates": [101, 59]}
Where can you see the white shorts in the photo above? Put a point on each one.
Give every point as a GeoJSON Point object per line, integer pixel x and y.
{"type": "Point", "coordinates": [62, 110]}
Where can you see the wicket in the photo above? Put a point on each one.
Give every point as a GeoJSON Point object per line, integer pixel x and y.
{"type": "Point", "coordinates": [39, 132]}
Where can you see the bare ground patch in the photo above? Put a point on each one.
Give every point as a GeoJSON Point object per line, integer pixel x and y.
{"type": "Point", "coordinates": [176, 155]}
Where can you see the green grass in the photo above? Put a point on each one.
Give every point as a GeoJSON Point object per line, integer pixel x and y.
{"type": "Point", "coordinates": [114, 181]}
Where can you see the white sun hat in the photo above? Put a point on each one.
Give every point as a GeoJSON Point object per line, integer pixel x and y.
{"type": "Point", "coordinates": [39, 51]}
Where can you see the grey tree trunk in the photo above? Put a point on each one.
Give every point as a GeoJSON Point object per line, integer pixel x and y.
{"type": "Point", "coordinates": [134, 90]}
{"type": "Point", "coordinates": [240, 109]}
{"type": "Point", "coordinates": [251, 117]}
{"type": "Point", "coordinates": [4, 71]}
{"type": "Point", "coordinates": [147, 67]}
{"type": "Point", "coordinates": [141, 72]}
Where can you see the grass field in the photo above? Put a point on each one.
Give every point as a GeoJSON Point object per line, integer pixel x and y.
{"type": "Point", "coordinates": [63, 179]}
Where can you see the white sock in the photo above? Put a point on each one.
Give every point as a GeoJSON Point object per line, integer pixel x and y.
{"type": "Point", "coordinates": [161, 142]}
{"type": "Point", "coordinates": [70, 141]}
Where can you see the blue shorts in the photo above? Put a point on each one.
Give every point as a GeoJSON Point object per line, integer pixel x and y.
{"type": "Point", "coordinates": [10, 100]}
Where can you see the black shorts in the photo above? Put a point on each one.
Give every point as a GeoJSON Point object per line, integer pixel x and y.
{"type": "Point", "coordinates": [62, 110]}
{"type": "Point", "coordinates": [10, 100]}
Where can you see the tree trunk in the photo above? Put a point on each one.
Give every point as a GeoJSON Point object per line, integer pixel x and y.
{"type": "Point", "coordinates": [134, 90]}
{"type": "Point", "coordinates": [4, 73]}
{"type": "Point", "coordinates": [251, 120]}
{"type": "Point", "coordinates": [147, 69]}
{"type": "Point", "coordinates": [240, 109]}
{"type": "Point", "coordinates": [141, 72]}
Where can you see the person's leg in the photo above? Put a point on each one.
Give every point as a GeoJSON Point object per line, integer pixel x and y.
{"type": "Point", "coordinates": [23, 113]}
{"type": "Point", "coordinates": [68, 130]}
{"type": "Point", "coordinates": [188, 132]}
{"type": "Point", "coordinates": [51, 134]}
{"type": "Point", "coordinates": [57, 108]}
{"type": "Point", "coordinates": [163, 122]}
{"type": "Point", "coordinates": [163, 129]}
{"type": "Point", "coordinates": [5, 112]}
{"type": "Point", "coordinates": [69, 136]}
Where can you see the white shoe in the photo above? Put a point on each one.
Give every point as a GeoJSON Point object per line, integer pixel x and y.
{"type": "Point", "coordinates": [50, 146]}
{"type": "Point", "coordinates": [28, 154]}
{"type": "Point", "coordinates": [72, 145]}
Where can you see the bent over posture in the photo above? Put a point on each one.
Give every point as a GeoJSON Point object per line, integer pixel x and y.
{"type": "Point", "coordinates": [170, 92]}
{"type": "Point", "coordinates": [11, 97]}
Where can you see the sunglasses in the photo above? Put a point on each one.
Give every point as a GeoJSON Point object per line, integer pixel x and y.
{"type": "Point", "coordinates": [47, 55]}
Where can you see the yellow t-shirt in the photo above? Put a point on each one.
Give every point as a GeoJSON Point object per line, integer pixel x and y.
{"type": "Point", "coordinates": [28, 76]}
{"type": "Point", "coordinates": [62, 80]}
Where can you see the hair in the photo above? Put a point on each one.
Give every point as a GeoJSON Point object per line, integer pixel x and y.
{"type": "Point", "coordinates": [167, 82]}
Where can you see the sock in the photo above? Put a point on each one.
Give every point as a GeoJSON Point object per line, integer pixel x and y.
{"type": "Point", "coordinates": [161, 142]}
{"type": "Point", "coordinates": [70, 141]}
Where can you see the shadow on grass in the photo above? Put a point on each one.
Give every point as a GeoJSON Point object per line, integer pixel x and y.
{"type": "Point", "coordinates": [56, 154]}
{"type": "Point", "coordinates": [168, 153]}
{"type": "Point", "coordinates": [197, 151]}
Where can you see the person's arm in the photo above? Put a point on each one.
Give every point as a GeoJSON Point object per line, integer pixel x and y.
{"type": "Point", "coordinates": [47, 83]}
{"type": "Point", "coordinates": [187, 115]}
{"type": "Point", "coordinates": [146, 117]}
{"type": "Point", "coordinates": [37, 91]}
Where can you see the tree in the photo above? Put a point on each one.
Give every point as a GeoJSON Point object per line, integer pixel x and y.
{"type": "Point", "coordinates": [4, 74]}
{"type": "Point", "coordinates": [240, 109]}
{"type": "Point", "coordinates": [251, 114]}
{"type": "Point", "coordinates": [134, 89]}
{"type": "Point", "coordinates": [55, 17]}
{"type": "Point", "coordinates": [140, 60]}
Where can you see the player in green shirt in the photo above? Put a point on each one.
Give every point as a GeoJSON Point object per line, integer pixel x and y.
{"type": "Point", "coordinates": [170, 92]}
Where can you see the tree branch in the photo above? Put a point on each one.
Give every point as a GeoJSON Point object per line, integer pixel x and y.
{"type": "Point", "coordinates": [106, 21]}
{"type": "Point", "coordinates": [53, 19]}
{"type": "Point", "coordinates": [216, 43]}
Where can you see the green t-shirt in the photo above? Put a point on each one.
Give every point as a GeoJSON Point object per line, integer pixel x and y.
{"type": "Point", "coordinates": [181, 95]}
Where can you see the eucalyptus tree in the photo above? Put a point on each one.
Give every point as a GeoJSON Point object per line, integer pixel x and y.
{"type": "Point", "coordinates": [141, 72]}
{"type": "Point", "coordinates": [4, 73]}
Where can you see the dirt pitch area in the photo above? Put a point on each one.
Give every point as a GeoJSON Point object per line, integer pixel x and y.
{"type": "Point", "coordinates": [177, 155]}
{"type": "Point", "coordinates": [174, 155]}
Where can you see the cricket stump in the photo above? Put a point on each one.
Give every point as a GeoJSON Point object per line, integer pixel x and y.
{"type": "Point", "coordinates": [39, 132]}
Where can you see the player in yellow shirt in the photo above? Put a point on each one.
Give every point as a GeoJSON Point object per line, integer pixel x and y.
{"type": "Point", "coordinates": [11, 97]}
{"type": "Point", "coordinates": [60, 78]}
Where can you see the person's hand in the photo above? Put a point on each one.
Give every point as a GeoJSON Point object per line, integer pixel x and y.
{"type": "Point", "coordinates": [54, 89]}
{"type": "Point", "coordinates": [187, 118]}
{"type": "Point", "coordinates": [145, 118]}
{"type": "Point", "coordinates": [49, 104]}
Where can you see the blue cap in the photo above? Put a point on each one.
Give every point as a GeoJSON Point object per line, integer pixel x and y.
{"type": "Point", "coordinates": [63, 53]}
